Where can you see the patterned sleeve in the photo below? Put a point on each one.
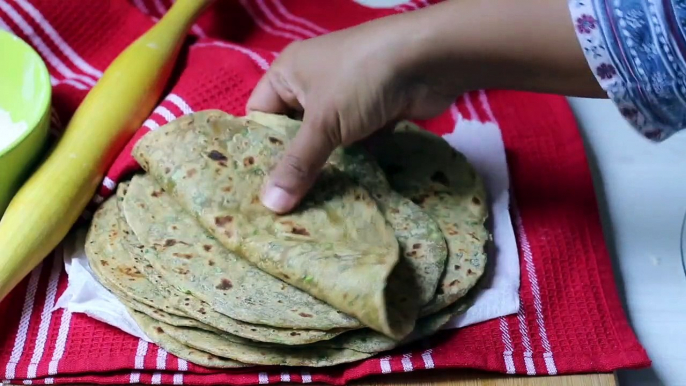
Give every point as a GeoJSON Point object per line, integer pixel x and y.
{"type": "Point", "coordinates": [637, 51]}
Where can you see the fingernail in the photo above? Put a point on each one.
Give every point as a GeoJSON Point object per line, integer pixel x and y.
{"type": "Point", "coordinates": [277, 199]}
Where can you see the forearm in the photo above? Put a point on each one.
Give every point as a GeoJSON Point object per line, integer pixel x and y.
{"type": "Point", "coordinates": [520, 45]}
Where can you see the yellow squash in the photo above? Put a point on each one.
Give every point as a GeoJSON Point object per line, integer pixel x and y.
{"type": "Point", "coordinates": [50, 202]}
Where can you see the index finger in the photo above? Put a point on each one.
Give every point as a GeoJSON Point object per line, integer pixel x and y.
{"type": "Point", "coordinates": [272, 96]}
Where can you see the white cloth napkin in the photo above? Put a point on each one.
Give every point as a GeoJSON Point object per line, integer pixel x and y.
{"type": "Point", "coordinates": [480, 142]}
{"type": "Point", "coordinates": [84, 294]}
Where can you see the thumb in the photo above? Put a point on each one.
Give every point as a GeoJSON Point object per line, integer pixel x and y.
{"type": "Point", "coordinates": [298, 168]}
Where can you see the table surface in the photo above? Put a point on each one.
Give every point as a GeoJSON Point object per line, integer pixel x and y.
{"type": "Point", "coordinates": [456, 378]}
{"type": "Point", "coordinates": [462, 378]}
{"type": "Point", "coordinates": [642, 197]}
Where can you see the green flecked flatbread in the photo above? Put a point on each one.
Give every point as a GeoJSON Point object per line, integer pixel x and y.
{"type": "Point", "coordinates": [337, 246]}
{"type": "Point", "coordinates": [196, 264]}
{"type": "Point", "coordinates": [112, 266]}
{"type": "Point", "coordinates": [422, 246]}
{"type": "Point", "coordinates": [351, 346]}
{"type": "Point", "coordinates": [262, 354]}
{"type": "Point", "coordinates": [371, 341]}
{"type": "Point", "coordinates": [206, 317]}
{"type": "Point", "coordinates": [423, 249]}
{"type": "Point", "coordinates": [157, 314]}
{"type": "Point", "coordinates": [426, 169]}
{"type": "Point", "coordinates": [156, 332]}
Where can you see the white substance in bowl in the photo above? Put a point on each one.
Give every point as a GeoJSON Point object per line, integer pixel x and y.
{"type": "Point", "coordinates": [9, 131]}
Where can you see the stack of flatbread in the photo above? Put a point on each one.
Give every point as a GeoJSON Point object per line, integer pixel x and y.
{"type": "Point", "coordinates": [383, 251]}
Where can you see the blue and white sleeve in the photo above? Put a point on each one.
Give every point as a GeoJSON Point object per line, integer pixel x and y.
{"type": "Point", "coordinates": [637, 51]}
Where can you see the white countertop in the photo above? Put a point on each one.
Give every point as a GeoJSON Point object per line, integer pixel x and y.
{"type": "Point", "coordinates": [641, 188]}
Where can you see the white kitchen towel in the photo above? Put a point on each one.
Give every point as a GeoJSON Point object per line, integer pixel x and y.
{"type": "Point", "coordinates": [480, 142]}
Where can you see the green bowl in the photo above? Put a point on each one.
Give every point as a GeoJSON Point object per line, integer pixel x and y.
{"type": "Point", "coordinates": [25, 93]}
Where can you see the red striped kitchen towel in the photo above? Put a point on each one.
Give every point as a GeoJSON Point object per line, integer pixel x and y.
{"type": "Point", "coordinates": [570, 320]}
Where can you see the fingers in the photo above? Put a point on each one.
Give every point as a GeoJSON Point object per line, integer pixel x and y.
{"type": "Point", "coordinates": [299, 167]}
{"type": "Point", "coordinates": [273, 94]}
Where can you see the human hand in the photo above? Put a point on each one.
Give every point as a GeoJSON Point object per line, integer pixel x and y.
{"type": "Point", "coordinates": [350, 84]}
{"type": "Point", "coordinates": [353, 82]}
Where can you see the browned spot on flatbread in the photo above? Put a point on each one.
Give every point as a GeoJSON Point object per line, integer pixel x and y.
{"type": "Point", "coordinates": [275, 141]}
{"type": "Point", "coordinates": [295, 333]}
{"type": "Point", "coordinates": [300, 231]}
{"type": "Point", "coordinates": [191, 172]}
{"type": "Point", "coordinates": [159, 329]}
{"type": "Point", "coordinates": [104, 263]}
{"type": "Point", "coordinates": [224, 285]}
{"type": "Point", "coordinates": [227, 189]}
{"type": "Point", "coordinates": [305, 315]}
{"type": "Point", "coordinates": [221, 221]}
{"type": "Point", "coordinates": [169, 242]}
{"type": "Point", "coordinates": [130, 271]}
{"type": "Point", "coordinates": [416, 246]}
{"type": "Point", "coordinates": [210, 263]}
{"type": "Point", "coordinates": [181, 271]}
{"type": "Point", "coordinates": [216, 156]}
{"type": "Point", "coordinates": [419, 200]}
{"type": "Point", "coordinates": [202, 310]}
{"type": "Point", "coordinates": [207, 247]}
{"type": "Point", "coordinates": [156, 193]}
{"type": "Point", "coordinates": [456, 267]}
{"type": "Point", "coordinates": [167, 170]}
{"type": "Point", "coordinates": [183, 255]}
{"type": "Point", "coordinates": [248, 161]}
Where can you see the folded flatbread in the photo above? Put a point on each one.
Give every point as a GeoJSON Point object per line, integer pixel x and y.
{"type": "Point", "coordinates": [426, 169]}
{"type": "Point", "coordinates": [337, 246]}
